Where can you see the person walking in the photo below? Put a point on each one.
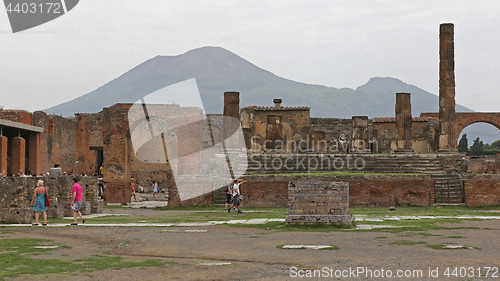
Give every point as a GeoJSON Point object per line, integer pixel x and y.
{"type": "Point", "coordinates": [132, 188]}
{"type": "Point", "coordinates": [38, 202]}
{"type": "Point", "coordinates": [76, 201]}
{"type": "Point", "coordinates": [229, 194]}
{"type": "Point", "coordinates": [236, 196]}
{"type": "Point", "coordinates": [155, 191]}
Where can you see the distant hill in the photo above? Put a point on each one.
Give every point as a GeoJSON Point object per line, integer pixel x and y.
{"type": "Point", "coordinates": [217, 70]}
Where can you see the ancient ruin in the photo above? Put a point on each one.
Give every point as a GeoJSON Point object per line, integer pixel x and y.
{"type": "Point", "coordinates": [279, 140]}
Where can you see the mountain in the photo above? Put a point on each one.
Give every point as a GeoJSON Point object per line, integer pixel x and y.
{"type": "Point", "coordinates": [217, 71]}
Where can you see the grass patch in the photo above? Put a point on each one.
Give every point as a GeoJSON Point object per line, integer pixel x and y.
{"type": "Point", "coordinates": [455, 237]}
{"type": "Point", "coordinates": [381, 237]}
{"type": "Point", "coordinates": [19, 260]}
{"type": "Point", "coordinates": [381, 212]}
{"type": "Point", "coordinates": [408, 242]}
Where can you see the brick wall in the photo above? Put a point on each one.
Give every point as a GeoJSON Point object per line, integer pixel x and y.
{"type": "Point", "coordinates": [482, 190]}
{"type": "Point", "coordinates": [364, 190]}
{"type": "Point", "coordinates": [318, 202]}
{"type": "Point", "coordinates": [88, 135]}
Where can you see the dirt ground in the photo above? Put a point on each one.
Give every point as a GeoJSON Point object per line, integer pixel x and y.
{"type": "Point", "coordinates": [254, 255]}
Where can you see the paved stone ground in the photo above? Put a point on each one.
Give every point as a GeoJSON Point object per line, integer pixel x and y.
{"type": "Point", "coordinates": [222, 252]}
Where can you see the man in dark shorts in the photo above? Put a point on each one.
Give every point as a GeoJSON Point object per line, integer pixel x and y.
{"type": "Point", "coordinates": [236, 195]}
{"type": "Point", "coordinates": [76, 200]}
{"type": "Point", "coordinates": [229, 195]}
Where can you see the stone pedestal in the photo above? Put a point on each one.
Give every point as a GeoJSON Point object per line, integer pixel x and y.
{"type": "Point", "coordinates": [55, 172]}
{"type": "Point", "coordinates": [318, 202]}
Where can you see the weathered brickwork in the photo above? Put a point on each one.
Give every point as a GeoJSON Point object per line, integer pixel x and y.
{"type": "Point", "coordinates": [482, 190]}
{"type": "Point", "coordinates": [282, 129]}
{"type": "Point", "coordinates": [117, 154]}
{"type": "Point", "coordinates": [89, 141]}
{"type": "Point", "coordinates": [17, 193]}
{"type": "Point", "coordinates": [318, 202]}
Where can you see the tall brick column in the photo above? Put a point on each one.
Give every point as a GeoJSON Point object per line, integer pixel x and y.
{"type": "Point", "coordinates": [116, 149]}
{"type": "Point", "coordinates": [447, 141]}
{"type": "Point", "coordinates": [403, 123]}
{"type": "Point", "coordinates": [232, 110]}
{"type": "Point", "coordinates": [360, 136]}
{"type": "Point", "coordinates": [18, 154]}
{"type": "Point", "coordinates": [3, 152]}
{"type": "Point", "coordinates": [35, 153]}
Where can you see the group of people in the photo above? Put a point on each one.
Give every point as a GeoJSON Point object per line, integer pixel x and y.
{"type": "Point", "coordinates": [155, 187]}
{"type": "Point", "coordinates": [233, 195]}
{"type": "Point", "coordinates": [40, 197]}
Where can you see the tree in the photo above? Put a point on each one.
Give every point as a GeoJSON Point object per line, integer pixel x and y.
{"type": "Point", "coordinates": [463, 144]}
{"type": "Point", "coordinates": [477, 147]}
{"type": "Point", "coordinates": [495, 145]}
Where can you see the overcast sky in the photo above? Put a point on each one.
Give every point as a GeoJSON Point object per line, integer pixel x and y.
{"type": "Point", "coordinates": [332, 43]}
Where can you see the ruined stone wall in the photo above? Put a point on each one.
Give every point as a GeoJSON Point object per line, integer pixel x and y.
{"type": "Point", "coordinates": [60, 147]}
{"type": "Point", "coordinates": [423, 135]}
{"type": "Point", "coordinates": [318, 202]}
{"type": "Point", "coordinates": [364, 190]}
{"type": "Point", "coordinates": [57, 143]}
{"type": "Point", "coordinates": [16, 195]}
{"type": "Point", "coordinates": [21, 116]}
{"type": "Point", "coordinates": [483, 190]}
{"type": "Point", "coordinates": [336, 131]}
{"type": "Point", "coordinates": [275, 125]}
{"type": "Point", "coordinates": [88, 135]}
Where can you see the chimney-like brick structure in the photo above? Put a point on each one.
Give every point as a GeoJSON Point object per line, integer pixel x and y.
{"type": "Point", "coordinates": [447, 142]}
{"type": "Point", "coordinates": [403, 123]}
{"type": "Point", "coordinates": [277, 103]}
{"type": "Point", "coordinates": [231, 115]}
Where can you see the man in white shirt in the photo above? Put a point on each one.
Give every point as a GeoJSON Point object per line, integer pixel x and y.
{"type": "Point", "coordinates": [236, 195]}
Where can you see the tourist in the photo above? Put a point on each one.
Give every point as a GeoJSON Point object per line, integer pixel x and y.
{"type": "Point", "coordinates": [229, 194]}
{"type": "Point", "coordinates": [76, 200]}
{"type": "Point", "coordinates": [132, 188]}
{"type": "Point", "coordinates": [156, 189]}
{"type": "Point", "coordinates": [38, 202]}
{"type": "Point", "coordinates": [237, 196]}
{"type": "Point", "coordinates": [3, 173]}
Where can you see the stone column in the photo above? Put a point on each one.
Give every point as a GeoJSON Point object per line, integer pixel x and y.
{"type": "Point", "coordinates": [403, 123]}
{"type": "Point", "coordinates": [18, 154]}
{"type": "Point", "coordinates": [3, 152]}
{"type": "Point", "coordinates": [35, 153]}
{"type": "Point", "coordinates": [360, 136]}
{"type": "Point", "coordinates": [231, 116]}
{"type": "Point", "coordinates": [447, 141]}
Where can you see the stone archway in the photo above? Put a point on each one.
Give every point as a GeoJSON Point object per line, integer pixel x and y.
{"type": "Point", "coordinates": [462, 120]}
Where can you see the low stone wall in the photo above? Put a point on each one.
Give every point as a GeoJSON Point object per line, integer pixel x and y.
{"type": "Point", "coordinates": [482, 190]}
{"type": "Point", "coordinates": [16, 195]}
{"type": "Point", "coordinates": [318, 202]}
{"type": "Point", "coordinates": [364, 190]}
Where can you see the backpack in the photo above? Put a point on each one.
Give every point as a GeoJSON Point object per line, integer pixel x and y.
{"type": "Point", "coordinates": [226, 187]}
